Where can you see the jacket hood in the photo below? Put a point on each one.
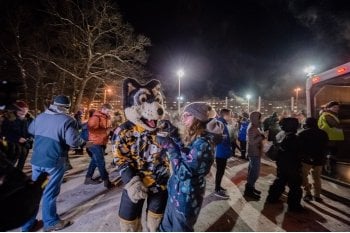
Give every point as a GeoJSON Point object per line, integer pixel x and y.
{"type": "Point", "coordinates": [255, 118]}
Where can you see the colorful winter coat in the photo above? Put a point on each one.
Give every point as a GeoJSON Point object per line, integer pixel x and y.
{"type": "Point", "coordinates": [138, 153]}
{"type": "Point", "coordinates": [190, 165]}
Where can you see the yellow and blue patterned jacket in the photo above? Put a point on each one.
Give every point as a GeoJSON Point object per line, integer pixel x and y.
{"type": "Point", "coordinates": [138, 153]}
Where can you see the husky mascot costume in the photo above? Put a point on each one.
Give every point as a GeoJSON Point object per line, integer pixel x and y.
{"type": "Point", "coordinates": [144, 169]}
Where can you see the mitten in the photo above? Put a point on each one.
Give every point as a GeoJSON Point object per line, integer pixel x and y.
{"type": "Point", "coordinates": [136, 189]}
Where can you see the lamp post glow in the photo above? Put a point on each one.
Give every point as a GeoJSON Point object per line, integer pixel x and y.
{"type": "Point", "coordinates": [105, 96]}
{"type": "Point", "coordinates": [296, 97]}
{"type": "Point", "coordinates": [248, 98]}
{"type": "Point", "coordinates": [309, 70]}
{"type": "Point", "coordinates": [180, 74]}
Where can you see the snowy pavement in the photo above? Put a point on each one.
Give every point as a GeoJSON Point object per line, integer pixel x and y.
{"type": "Point", "coordinates": [94, 208]}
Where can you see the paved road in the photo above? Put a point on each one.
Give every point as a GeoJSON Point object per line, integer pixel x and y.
{"type": "Point", "coordinates": [243, 214]}
{"type": "Point", "coordinates": [94, 208]}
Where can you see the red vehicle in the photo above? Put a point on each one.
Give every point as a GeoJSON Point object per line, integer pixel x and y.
{"type": "Point", "coordinates": [333, 84]}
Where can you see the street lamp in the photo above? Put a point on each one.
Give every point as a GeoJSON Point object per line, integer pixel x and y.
{"type": "Point", "coordinates": [180, 73]}
{"type": "Point", "coordinates": [248, 98]}
{"type": "Point", "coordinates": [296, 97]}
{"type": "Point", "coordinates": [105, 96]}
{"type": "Point", "coordinates": [309, 70]}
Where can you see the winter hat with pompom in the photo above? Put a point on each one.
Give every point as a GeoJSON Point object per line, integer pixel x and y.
{"type": "Point", "coordinates": [200, 110]}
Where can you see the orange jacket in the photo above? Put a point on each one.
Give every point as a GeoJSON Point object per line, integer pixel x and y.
{"type": "Point", "coordinates": [98, 126]}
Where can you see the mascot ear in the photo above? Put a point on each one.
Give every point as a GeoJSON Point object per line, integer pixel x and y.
{"type": "Point", "coordinates": [129, 85]}
{"type": "Point", "coordinates": [153, 85]}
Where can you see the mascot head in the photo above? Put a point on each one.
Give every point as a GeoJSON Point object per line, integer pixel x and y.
{"type": "Point", "coordinates": [143, 104]}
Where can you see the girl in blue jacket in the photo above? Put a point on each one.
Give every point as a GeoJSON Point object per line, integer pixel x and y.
{"type": "Point", "coordinates": [190, 164]}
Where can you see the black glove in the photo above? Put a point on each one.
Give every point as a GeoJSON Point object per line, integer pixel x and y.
{"type": "Point", "coordinates": [166, 126]}
{"type": "Point", "coordinates": [163, 138]}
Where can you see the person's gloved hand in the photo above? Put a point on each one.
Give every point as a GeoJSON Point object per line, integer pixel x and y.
{"type": "Point", "coordinates": [163, 139]}
{"type": "Point", "coordinates": [136, 189]}
{"type": "Point", "coordinates": [166, 126]}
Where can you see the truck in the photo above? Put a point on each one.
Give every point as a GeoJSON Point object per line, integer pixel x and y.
{"type": "Point", "coordinates": [333, 85]}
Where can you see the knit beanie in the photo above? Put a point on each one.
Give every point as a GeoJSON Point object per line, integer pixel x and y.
{"type": "Point", "coordinates": [311, 122]}
{"type": "Point", "coordinates": [289, 124]}
{"type": "Point", "coordinates": [200, 110]}
{"type": "Point", "coordinates": [19, 104]}
{"type": "Point", "coordinates": [62, 101]}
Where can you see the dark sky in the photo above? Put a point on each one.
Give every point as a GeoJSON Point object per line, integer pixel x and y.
{"type": "Point", "coordinates": [236, 47]}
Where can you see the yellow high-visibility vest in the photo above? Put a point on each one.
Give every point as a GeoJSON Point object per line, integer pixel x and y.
{"type": "Point", "coordinates": [334, 134]}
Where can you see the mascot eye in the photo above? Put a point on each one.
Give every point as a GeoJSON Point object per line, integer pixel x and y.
{"type": "Point", "coordinates": [143, 98]}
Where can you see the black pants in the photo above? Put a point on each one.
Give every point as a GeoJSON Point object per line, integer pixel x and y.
{"type": "Point", "coordinates": [292, 178]}
{"type": "Point", "coordinates": [220, 171]}
{"type": "Point", "coordinates": [243, 148]}
{"type": "Point", "coordinates": [130, 211]}
{"type": "Point", "coordinates": [16, 152]}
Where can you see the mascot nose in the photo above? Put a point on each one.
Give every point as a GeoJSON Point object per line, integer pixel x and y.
{"type": "Point", "coordinates": [160, 111]}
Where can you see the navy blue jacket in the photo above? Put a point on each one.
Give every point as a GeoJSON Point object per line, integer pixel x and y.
{"type": "Point", "coordinates": [54, 134]}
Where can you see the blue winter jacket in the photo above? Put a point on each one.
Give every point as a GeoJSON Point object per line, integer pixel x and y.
{"type": "Point", "coordinates": [54, 134]}
{"type": "Point", "coordinates": [242, 133]}
{"type": "Point", "coordinates": [190, 165]}
{"type": "Point", "coordinates": [223, 149]}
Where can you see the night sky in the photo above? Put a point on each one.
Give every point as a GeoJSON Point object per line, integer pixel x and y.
{"type": "Point", "coordinates": [234, 47]}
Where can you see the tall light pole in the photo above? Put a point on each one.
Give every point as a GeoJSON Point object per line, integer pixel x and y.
{"type": "Point", "coordinates": [105, 96]}
{"type": "Point", "coordinates": [309, 73]}
{"type": "Point", "coordinates": [309, 70]}
{"type": "Point", "coordinates": [180, 74]}
{"type": "Point", "coordinates": [296, 97]}
{"type": "Point", "coordinates": [248, 98]}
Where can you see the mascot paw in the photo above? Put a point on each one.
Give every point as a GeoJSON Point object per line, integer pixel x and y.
{"type": "Point", "coordinates": [136, 189]}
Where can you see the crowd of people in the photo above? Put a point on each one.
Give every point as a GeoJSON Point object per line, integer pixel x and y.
{"type": "Point", "coordinates": [207, 137]}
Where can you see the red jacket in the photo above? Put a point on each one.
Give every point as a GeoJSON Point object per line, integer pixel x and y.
{"type": "Point", "coordinates": [99, 125]}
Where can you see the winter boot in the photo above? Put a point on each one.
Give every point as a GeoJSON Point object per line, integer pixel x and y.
{"type": "Point", "coordinates": [89, 180]}
{"type": "Point", "coordinates": [249, 192]}
{"type": "Point", "coordinates": [107, 184]}
{"type": "Point", "coordinates": [130, 226]}
{"type": "Point", "coordinates": [256, 191]}
{"type": "Point", "coordinates": [153, 221]}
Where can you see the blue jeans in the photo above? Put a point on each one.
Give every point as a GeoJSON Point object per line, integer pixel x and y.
{"type": "Point", "coordinates": [253, 171]}
{"type": "Point", "coordinates": [51, 191]}
{"type": "Point", "coordinates": [97, 160]}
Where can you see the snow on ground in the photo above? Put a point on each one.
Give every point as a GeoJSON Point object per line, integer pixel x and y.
{"type": "Point", "coordinates": [94, 208]}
